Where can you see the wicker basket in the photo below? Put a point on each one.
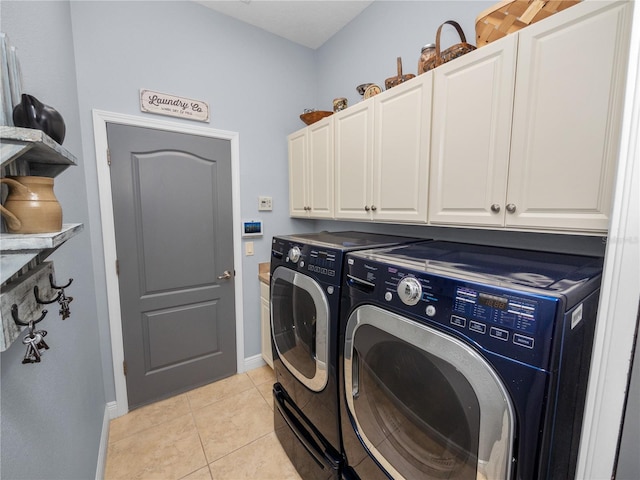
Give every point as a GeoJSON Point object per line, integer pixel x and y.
{"type": "Point", "coordinates": [511, 15]}
{"type": "Point", "coordinates": [313, 117]}
{"type": "Point", "coordinates": [443, 56]}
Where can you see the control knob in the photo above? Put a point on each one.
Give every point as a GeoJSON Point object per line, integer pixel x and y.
{"type": "Point", "coordinates": [294, 254]}
{"type": "Point", "coordinates": [409, 290]}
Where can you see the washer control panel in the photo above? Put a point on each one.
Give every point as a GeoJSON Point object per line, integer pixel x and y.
{"type": "Point", "coordinates": [294, 254]}
{"type": "Point", "coordinates": [319, 262]}
{"type": "Point", "coordinates": [409, 290]}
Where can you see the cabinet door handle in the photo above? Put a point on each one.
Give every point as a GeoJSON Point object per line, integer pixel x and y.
{"type": "Point", "coordinates": [511, 208]}
{"type": "Point", "coordinates": [366, 207]}
{"type": "Point", "coordinates": [495, 208]}
{"type": "Point", "coordinates": [374, 208]}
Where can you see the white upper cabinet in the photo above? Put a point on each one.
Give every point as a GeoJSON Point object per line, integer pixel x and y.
{"type": "Point", "coordinates": [298, 173]}
{"type": "Point", "coordinates": [402, 129]}
{"type": "Point", "coordinates": [551, 165]}
{"type": "Point", "coordinates": [521, 134]}
{"type": "Point", "coordinates": [382, 155]}
{"type": "Point", "coordinates": [354, 160]}
{"type": "Point", "coordinates": [472, 105]}
{"type": "Point", "coordinates": [311, 174]}
{"type": "Point", "coordinates": [567, 118]}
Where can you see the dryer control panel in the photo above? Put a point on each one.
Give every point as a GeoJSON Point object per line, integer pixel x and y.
{"type": "Point", "coordinates": [515, 324]}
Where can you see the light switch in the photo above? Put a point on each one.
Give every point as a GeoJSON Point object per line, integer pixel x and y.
{"type": "Point", "coordinates": [248, 248]}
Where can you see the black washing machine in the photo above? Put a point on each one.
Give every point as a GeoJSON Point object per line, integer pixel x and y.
{"type": "Point", "coordinates": [306, 273]}
{"type": "Point", "coordinates": [465, 362]}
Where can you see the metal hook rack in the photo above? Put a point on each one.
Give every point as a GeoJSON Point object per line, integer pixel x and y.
{"type": "Point", "coordinates": [36, 293]}
{"type": "Point", "coordinates": [56, 287]}
{"type": "Point", "coordinates": [61, 298]}
{"type": "Point", "coordinates": [16, 318]}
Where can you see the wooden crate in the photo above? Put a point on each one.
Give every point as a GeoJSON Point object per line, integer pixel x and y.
{"type": "Point", "coordinates": [510, 16]}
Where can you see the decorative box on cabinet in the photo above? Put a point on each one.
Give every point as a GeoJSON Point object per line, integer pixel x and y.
{"type": "Point", "coordinates": [549, 165]}
{"type": "Point", "coordinates": [382, 155]}
{"type": "Point", "coordinates": [28, 152]}
{"type": "Point", "coordinates": [311, 171]}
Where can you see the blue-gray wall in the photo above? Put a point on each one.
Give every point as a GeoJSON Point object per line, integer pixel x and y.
{"type": "Point", "coordinates": [254, 82]}
{"type": "Point", "coordinates": [365, 51]}
{"type": "Point", "coordinates": [52, 412]}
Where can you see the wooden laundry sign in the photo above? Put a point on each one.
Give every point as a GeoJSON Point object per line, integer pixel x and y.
{"type": "Point", "coordinates": [165, 104]}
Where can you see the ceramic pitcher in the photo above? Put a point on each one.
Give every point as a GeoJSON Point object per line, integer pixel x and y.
{"type": "Point", "coordinates": [31, 206]}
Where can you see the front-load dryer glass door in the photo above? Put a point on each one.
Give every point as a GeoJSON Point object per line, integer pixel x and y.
{"type": "Point", "coordinates": [425, 404]}
{"type": "Point", "coordinates": [300, 323]}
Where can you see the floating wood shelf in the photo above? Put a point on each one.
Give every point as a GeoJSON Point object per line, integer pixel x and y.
{"type": "Point", "coordinates": [44, 156]}
{"type": "Point", "coordinates": [26, 151]}
{"type": "Point", "coordinates": [18, 249]}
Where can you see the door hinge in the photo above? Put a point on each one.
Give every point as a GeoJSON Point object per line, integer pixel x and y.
{"type": "Point", "coordinates": [108, 157]}
{"type": "Point", "coordinates": [118, 267]}
{"type": "Point", "coordinates": [124, 368]}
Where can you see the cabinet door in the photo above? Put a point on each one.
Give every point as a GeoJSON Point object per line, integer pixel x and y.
{"type": "Point", "coordinates": [298, 173]}
{"type": "Point", "coordinates": [320, 178]}
{"type": "Point", "coordinates": [353, 159]}
{"type": "Point", "coordinates": [567, 114]}
{"type": "Point", "coordinates": [472, 105]}
{"type": "Point", "coordinates": [401, 151]}
{"type": "Point", "coordinates": [265, 324]}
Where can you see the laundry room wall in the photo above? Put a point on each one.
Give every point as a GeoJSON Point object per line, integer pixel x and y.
{"type": "Point", "coordinates": [52, 412]}
{"type": "Point", "coordinates": [255, 83]}
{"type": "Point", "coordinates": [365, 51]}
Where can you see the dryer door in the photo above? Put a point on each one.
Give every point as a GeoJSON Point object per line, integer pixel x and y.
{"type": "Point", "coordinates": [425, 404]}
{"type": "Point", "coordinates": [299, 326]}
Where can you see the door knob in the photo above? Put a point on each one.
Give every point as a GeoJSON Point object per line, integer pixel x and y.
{"type": "Point", "coordinates": [366, 207]}
{"type": "Point", "coordinates": [225, 276]}
{"type": "Point", "coordinates": [495, 208]}
{"type": "Point", "coordinates": [511, 208]}
{"type": "Point", "coordinates": [374, 208]}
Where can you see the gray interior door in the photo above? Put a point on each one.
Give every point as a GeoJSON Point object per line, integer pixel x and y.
{"type": "Point", "coordinates": [172, 205]}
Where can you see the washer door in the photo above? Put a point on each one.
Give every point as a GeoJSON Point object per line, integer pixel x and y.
{"type": "Point", "coordinates": [425, 404]}
{"type": "Point", "coordinates": [299, 326]}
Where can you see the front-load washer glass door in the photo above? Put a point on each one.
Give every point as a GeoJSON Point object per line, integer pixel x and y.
{"type": "Point", "coordinates": [425, 404]}
{"type": "Point", "coordinates": [299, 324]}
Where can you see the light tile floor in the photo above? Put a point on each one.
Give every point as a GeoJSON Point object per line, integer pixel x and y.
{"type": "Point", "coordinates": [223, 430]}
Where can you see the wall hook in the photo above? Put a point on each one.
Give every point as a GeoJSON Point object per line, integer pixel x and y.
{"type": "Point", "coordinates": [62, 298]}
{"type": "Point", "coordinates": [16, 318]}
{"type": "Point", "coordinates": [53, 285]}
{"type": "Point", "coordinates": [45, 302]}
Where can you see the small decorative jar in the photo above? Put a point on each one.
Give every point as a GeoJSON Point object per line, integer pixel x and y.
{"type": "Point", "coordinates": [339, 104]}
{"type": "Point", "coordinates": [427, 53]}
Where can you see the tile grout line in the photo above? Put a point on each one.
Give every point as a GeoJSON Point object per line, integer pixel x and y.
{"type": "Point", "coordinates": [192, 412]}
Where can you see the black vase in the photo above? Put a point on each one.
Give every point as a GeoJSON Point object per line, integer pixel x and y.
{"type": "Point", "coordinates": [32, 113]}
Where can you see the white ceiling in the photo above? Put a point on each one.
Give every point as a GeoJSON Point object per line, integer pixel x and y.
{"type": "Point", "coordinates": [307, 22]}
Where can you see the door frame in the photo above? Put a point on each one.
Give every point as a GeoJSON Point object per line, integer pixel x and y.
{"type": "Point", "coordinates": [100, 120]}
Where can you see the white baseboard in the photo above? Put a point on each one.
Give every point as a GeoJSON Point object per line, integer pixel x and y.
{"type": "Point", "coordinates": [112, 407]}
{"type": "Point", "coordinates": [110, 410]}
{"type": "Point", "coordinates": [253, 362]}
